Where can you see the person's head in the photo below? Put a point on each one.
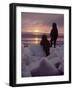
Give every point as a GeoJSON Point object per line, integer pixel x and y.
{"type": "Point", "coordinates": [44, 37]}
{"type": "Point", "coordinates": [54, 25]}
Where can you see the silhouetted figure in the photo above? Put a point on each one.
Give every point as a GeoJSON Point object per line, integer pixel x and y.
{"type": "Point", "coordinates": [54, 34]}
{"type": "Point", "coordinates": [45, 44]}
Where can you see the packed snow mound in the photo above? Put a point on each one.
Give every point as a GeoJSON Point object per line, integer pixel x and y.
{"type": "Point", "coordinates": [44, 69]}
{"type": "Point", "coordinates": [37, 50]}
{"type": "Point", "coordinates": [25, 70]}
{"type": "Point", "coordinates": [36, 63]}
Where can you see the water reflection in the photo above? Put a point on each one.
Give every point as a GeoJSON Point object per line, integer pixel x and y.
{"type": "Point", "coordinates": [36, 40]}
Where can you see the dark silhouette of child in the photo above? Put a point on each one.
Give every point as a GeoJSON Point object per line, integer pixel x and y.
{"type": "Point", "coordinates": [45, 44]}
{"type": "Point", "coordinates": [54, 34]}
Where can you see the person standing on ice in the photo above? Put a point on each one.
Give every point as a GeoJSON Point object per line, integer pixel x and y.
{"type": "Point", "coordinates": [53, 34]}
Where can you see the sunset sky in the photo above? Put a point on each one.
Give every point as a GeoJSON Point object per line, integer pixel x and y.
{"type": "Point", "coordinates": [41, 23]}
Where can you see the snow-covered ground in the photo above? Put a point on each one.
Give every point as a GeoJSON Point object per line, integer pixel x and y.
{"type": "Point", "coordinates": [35, 62]}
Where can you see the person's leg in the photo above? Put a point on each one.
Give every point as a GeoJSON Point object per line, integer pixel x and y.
{"type": "Point", "coordinates": [55, 43]}
{"type": "Point", "coordinates": [47, 52]}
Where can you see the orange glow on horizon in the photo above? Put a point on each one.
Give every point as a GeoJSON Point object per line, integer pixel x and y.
{"type": "Point", "coordinates": [42, 29]}
{"type": "Point", "coordinates": [36, 30]}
